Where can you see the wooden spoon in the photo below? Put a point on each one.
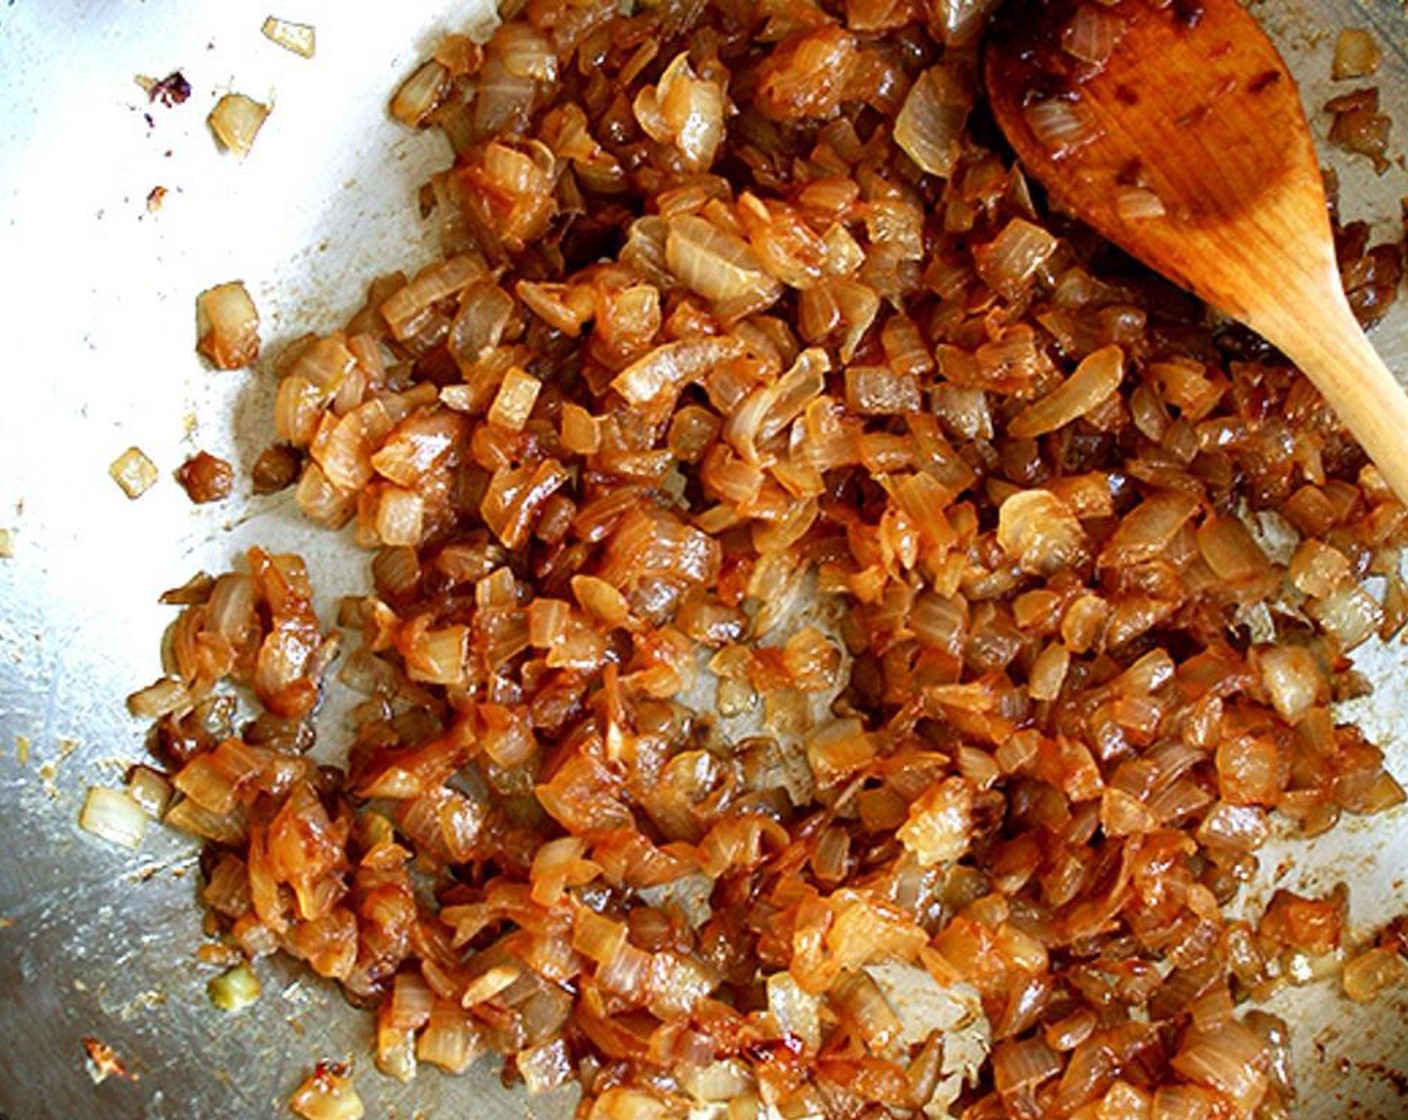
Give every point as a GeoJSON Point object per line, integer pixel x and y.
{"type": "Point", "coordinates": [1188, 148]}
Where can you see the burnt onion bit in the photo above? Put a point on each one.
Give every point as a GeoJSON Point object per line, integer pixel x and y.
{"type": "Point", "coordinates": [1096, 594]}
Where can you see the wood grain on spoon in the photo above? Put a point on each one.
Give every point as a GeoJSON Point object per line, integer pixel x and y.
{"type": "Point", "coordinates": [1188, 147]}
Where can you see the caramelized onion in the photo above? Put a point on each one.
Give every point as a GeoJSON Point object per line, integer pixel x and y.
{"type": "Point", "coordinates": [834, 641]}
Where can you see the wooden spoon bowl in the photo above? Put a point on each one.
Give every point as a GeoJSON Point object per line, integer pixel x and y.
{"type": "Point", "coordinates": [1177, 132]}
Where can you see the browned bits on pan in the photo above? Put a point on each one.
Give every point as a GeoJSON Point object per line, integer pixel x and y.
{"type": "Point", "coordinates": [170, 90]}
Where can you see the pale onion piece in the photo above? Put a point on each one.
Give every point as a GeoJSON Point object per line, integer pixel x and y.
{"type": "Point", "coordinates": [449, 1039]}
{"type": "Point", "coordinates": [1039, 531]}
{"type": "Point", "coordinates": [960, 21]}
{"type": "Point", "coordinates": [7, 543]}
{"type": "Point", "coordinates": [929, 127]}
{"type": "Point", "coordinates": [1122, 814]}
{"type": "Point", "coordinates": [863, 1004]}
{"type": "Point", "coordinates": [715, 264]}
{"type": "Point", "coordinates": [299, 38]}
{"type": "Point", "coordinates": [1139, 204]}
{"type": "Point", "coordinates": [1012, 260]}
{"type": "Point", "coordinates": [939, 826]}
{"type": "Point", "coordinates": [224, 828]}
{"type": "Point", "coordinates": [395, 1054]}
{"type": "Point", "coordinates": [1356, 55]}
{"type": "Point", "coordinates": [160, 698]}
{"type": "Point", "coordinates": [685, 111]}
{"type": "Point", "coordinates": [1349, 613]}
{"type": "Point", "coordinates": [601, 600]}
{"type": "Point", "coordinates": [114, 816]}
{"type": "Point", "coordinates": [150, 790]}
{"type": "Point", "coordinates": [1184, 1102]}
{"type": "Point", "coordinates": [439, 656]}
{"type": "Point", "coordinates": [1048, 672]}
{"type": "Point", "coordinates": [513, 404]}
{"type": "Point", "coordinates": [236, 121]}
{"type": "Point", "coordinates": [844, 255]}
{"type": "Point", "coordinates": [134, 472]}
{"type": "Point", "coordinates": [669, 368]}
{"type": "Point", "coordinates": [1241, 827]}
{"type": "Point", "coordinates": [1062, 126]}
{"type": "Point", "coordinates": [1094, 381]}
{"type": "Point", "coordinates": [1369, 973]}
{"type": "Point", "coordinates": [400, 517]}
{"type": "Point", "coordinates": [1230, 550]}
{"type": "Point", "coordinates": [327, 1095]}
{"type": "Point", "coordinates": [1017, 1067]}
{"type": "Point", "coordinates": [543, 1068]}
{"type": "Point", "coordinates": [420, 94]}
{"type": "Point", "coordinates": [493, 981]}
{"type": "Point", "coordinates": [227, 326]}
{"type": "Point", "coordinates": [1145, 532]}
{"type": "Point", "coordinates": [407, 310]}
{"type": "Point", "coordinates": [567, 307]}
{"type": "Point", "coordinates": [1227, 1058]}
{"type": "Point", "coordinates": [1293, 679]}
{"type": "Point", "coordinates": [880, 391]}
{"type": "Point", "coordinates": [794, 1011]}
{"type": "Point", "coordinates": [717, 1082]}
{"type": "Point", "coordinates": [524, 51]}
{"type": "Point", "coordinates": [1092, 34]}
{"type": "Point", "coordinates": [235, 989]}
{"type": "Point", "coordinates": [396, 569]}
{"type": "Point", "coordinates": [634, 1104]}
{"type": "Point", "coordinates": [1317, 568]}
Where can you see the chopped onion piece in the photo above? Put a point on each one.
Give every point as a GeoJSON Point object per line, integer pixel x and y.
{"type": "Point", "coordinates": [327, 1095]}
{"type": "Point", "coordinates": [1369, 973]}
{"type": "Point", "coordinates": [296, 37]}
{"type": "Point", "coordinates": [1139, 204]}
{"type": "Point", "coordinates": [1095, 380]}
{"type": "Point", "coordinates": [236, 121]}
{"type": "Point", "coordinates": [1356, 54]}
{"type": "Point", "coordinates": [940, 822]}
{"type": "Point", "coordinates": [114, 816]}
{"type": "Point", "coordinates": [134, 472]}
{"type": "Point", "coordinates": [1039, 531]}
{"type": "Point", "coordinates": [420, 94]}
{"type": "Point", "coordinates": [234, 990]}
{"type": "Point", "coordinates": [1062, 126]}
{"type": "Point", "coordinates": [931, 122]}
{"type": "Point", "coordinates": [1093, 33]}
{"type": "Point", "coordinates": [149, 790]}
{"type": "Point", "coordinates": [227, 326]}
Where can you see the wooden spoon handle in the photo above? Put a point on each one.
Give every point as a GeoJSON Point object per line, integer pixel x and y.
{"type": "Point", "coordinates": [1332, 351]}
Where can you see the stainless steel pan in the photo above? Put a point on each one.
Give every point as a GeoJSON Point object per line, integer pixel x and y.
{"type": "Point", "coordinates": [96, 298]}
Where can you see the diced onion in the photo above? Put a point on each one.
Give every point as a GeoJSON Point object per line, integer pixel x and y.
{"type": "Point", "coordinates": [1095, 380]}
{"type": "Point", "coordinates": [1062, 126]}
{"type": "Point", "coordinates": [1093, 33]}
{"type": "Point", "coordinates": [940, 823]}
{"type": "Point", "coordinates": [227, 326]}
{"type": "Point", "coordinates": [236, 121]}
{"type": "Point", "coordinates": [327, 1095]}
{"type": "Point", "coordinates": [1356, 54]}
{"type": "Point", "coordinates": [296, 37]}
{"type": "Point", "coordinates": [114, 816]}
{"type": "Point", "coordinates": [1139, 204]}
{"type": "Point", "coordinates": [235, 989]}
{"type": "Point", "coordinates": [931, 122]}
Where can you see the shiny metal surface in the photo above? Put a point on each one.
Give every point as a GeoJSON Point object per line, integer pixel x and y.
{"type": "Point", "coordinates": [97, 295]}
